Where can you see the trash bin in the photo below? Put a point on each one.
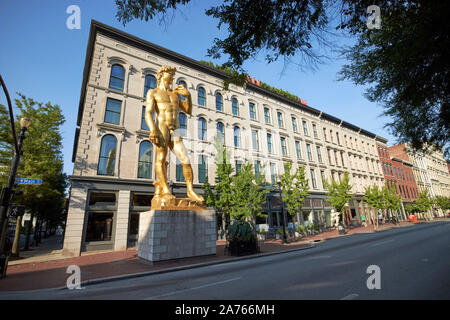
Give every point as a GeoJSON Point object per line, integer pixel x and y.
{"type": "Point", "coordinates": [341, 229]}
{"type": "Point", "coordinates": [3, 264]}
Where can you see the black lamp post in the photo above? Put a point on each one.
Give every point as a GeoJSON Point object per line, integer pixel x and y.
{"type": "Point", "coordinates": [8, 191]}
{"type": "Point", "coordinates": [282, 212]}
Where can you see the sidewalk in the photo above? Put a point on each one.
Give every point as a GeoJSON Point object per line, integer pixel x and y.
{"type": "Point", "coordinates": [48, 270]}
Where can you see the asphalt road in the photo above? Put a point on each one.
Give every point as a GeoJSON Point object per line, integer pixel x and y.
{"type": "Point", "coordinates": [414, 263]}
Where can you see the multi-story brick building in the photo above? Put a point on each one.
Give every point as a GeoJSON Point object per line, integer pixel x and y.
{"type": "Point", "coordinates": [405, 183]}
{"type": "Point", "coordinates": [386, 164]}
{"type": "Point", "coordinates": [113, 159]}
{"type": "Point", "coordinates": [430, 169]}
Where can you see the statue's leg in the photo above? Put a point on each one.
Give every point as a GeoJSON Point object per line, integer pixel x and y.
{"type": "Point", "coordinates": [181, 153]}
{"type": "Point", "coordinates": [161, 168]}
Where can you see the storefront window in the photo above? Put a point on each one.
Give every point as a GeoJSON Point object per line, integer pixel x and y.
{"type": "Point", "coordinates": [99, 226]}
{"type": "Point", "coordinates": [100, 198]}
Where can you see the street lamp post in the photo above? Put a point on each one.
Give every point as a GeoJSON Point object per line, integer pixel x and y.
{"type": "Point", "coordinates": [282, 213]}
{"type": "Point", "coordinates": [8, 191]}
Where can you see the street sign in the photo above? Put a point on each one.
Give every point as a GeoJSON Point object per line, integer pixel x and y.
{"type": "Point", "coordinates": [28, 181]}
{"type": "Point", "coordinates": [16, 210]}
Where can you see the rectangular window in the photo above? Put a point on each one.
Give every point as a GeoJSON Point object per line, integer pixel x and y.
{"type": "Point", "coordinates": [273, 173]}
{"type": "Point", "coordinates": [257, 168]}
{"type": "Point", "coordinates": [313, 179]}
{"type": "Point", "coordinates": [294, 124]}
{"type": "Point", "coordinates": [315, 131]}
{"type": "Point", "coordinates": [298, 150]}
{"type": "Point", "coordinates": [337, 138]}
{"type": "Point", "coordinates": [319, 154]}
{"type": "Point", "coordinates": [329, 156]}
{"type": "Point", "coordinates": [325, 134]}
{"type": "Point", "coordinates": [342, 159]}
{"type": "Point", "coordinates": [322, 175]}
{"type": "Point", "coordinates": [252, 111]}
{"type": "Point", "coordinates": [238, 165]}
{"type": "Point", "coordinates": [202, 169]}
{"type": "Point", "coordinates": [280, 120]}
{"type": "Point", "coordinates": [112, 114]}
{"type": "Point", "coordinates": [255, 140]}
{"type": "Point", "coordinates": [308, 151]}
{"type": "Point", "coordinates": [267, 115]}
{"type": "Point", "coordinates": [305, 128]}
{"type": "Point", "coordinates": [179, 171]}
{"type": "Point", "coordinates": [143, 123]}
{"type": "Point", "coordinates": [269, 142]}
{"type": "Point", "coordinates": [283, 146]}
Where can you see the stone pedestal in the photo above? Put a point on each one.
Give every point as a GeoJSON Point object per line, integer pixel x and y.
{"type": "Point", "coordinates": [174, 234]}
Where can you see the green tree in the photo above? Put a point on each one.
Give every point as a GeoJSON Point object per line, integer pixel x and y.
{"type": "Point", "coordinates": [42, 159]}
{"type": "Point", "coordinates": [404, 64]}
{"type": "Point", "coordinates": [393, 201]}
{"type": "Point", "coordinates": [443, 203]}
{"type": "Point", "coordinates": [248, 194]}
{"type": "Point", "coordinates": [294, 188]}
{"type": "Point", "coordinates": [339, 193]}
{"type": "Point", "coordinates": [374, 199]}
{"type": "Point", "coordinates": [220, 195]}
{"type": "Point", "coordinates": [424, 203]}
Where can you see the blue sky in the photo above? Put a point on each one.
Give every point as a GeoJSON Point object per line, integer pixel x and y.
{"type": "Point", "coordinates": [43, 59]}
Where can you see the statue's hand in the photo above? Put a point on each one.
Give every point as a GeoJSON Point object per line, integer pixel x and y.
{"type": "Point", "coordinates": [155, 137]}
{"type": "Point", "coordinates": [181, 90]}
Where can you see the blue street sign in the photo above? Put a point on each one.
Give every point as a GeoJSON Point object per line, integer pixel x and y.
{"type": "Point", "coordinates": [28, 181]}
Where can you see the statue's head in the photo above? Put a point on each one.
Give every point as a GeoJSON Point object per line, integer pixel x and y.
{"type": "Point", "coordinates": [166, 73]}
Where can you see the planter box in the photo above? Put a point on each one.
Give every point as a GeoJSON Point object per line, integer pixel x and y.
{"type": "Point", "coordinates": [242, 248]}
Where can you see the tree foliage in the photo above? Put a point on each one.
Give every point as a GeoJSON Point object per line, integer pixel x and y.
{"type": "Point", "coordinates": [404, 64]}
{"type": "Point", "coordinates": [248, 194]}
{"type": "Point", "coordinates": [423, 201]}
{"type": "Point", "coordinates": [294, 188]}
{"type": "Point", "coordinates": [42, 157]}
{"type": "Point", "coordinates": [442, 202]}
{"type": "Point", "coordinates": [220, 196]}
{"type": "Point", "coordinates": [392, 200]}
{"type": "Point", "coordinates": [339, 192]}
{"type": "Point", "coordinates": [374, 197]}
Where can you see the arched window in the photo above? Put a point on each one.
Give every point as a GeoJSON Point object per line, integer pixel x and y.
{"type": "Point", "coordinates": [234, 106]}
{"type": "Point", "coordinates": [145, 160]}
{"type": "Point", "coordinates": [117, 78]}
{"type": "Point", "coordinates": [237, 136]}
{"type": "Point", "coordinates": [183, 83]}
{"type": "Point", "coordinates": [150, 83]}
{"type": "Point", "coordinates": [221, 131]}
{"type": "Point", "coordinates": [183, 124]}
{"type": "Point", "coordinates": [202, 129]}
{"type": "Point", "coordinates": [219, 102]}
{"type": "Point", "coordinates": [202, 169]}
{"type": "Point", "coordinates": [107, 159]}
{"type": "Point", "coordinates": [201, 97]}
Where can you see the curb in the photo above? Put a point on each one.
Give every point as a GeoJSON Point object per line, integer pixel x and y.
{"type": "Point", "coordinates": [186, 267]}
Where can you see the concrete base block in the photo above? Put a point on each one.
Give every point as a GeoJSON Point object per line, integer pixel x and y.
{"type": "Point", "coordinates": [174, 234]}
